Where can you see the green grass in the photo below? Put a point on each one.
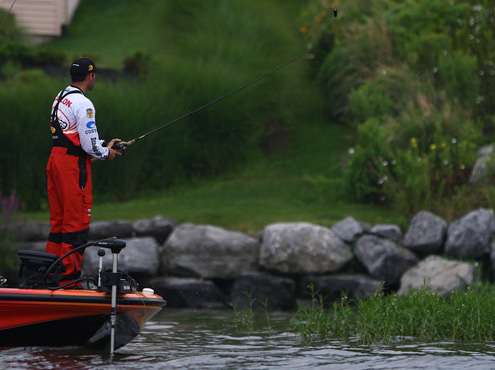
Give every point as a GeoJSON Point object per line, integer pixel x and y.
{"type": "Point", "coordinates": [465, 316]}
{"type": "Point", "coordinates": [112, 30]}
{"type": "Point", "coordinates": [199, 51]}
{"type": "Point", "coordinates": [279, 189]}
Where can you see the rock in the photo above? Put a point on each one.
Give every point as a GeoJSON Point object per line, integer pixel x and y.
{"type": "Point", "coordinates": [486, 150]}
{"type": "Point", "coordinates": [383, 258]}
{"type": "Point", "coordinates": [483, 166]}
{"type": "Point", "coordinates": [439, 275]}
{"type": "Point", "coordinates": [209, 252]}
{"type": "Point", "coordinates": [188, 293]}
{"type": "Point", "coordinates": [332, 287]}
{"type": "Point", "coordinates": [426, 233]}
{"type": "Point", "coordinates": [32, 246]}
{"type": "Point", "coordinates": [107, 229]}
{"type": "Point", "coordinates": [302, 248]}
{"type": "Point", "coordinates": [259, 290]}
{"type": "Point", "coordinates": [470, 236]}
{"type": "Point", "coordinates": [157, 227]}
{"type": "Point", "coordinates": [31, 232]}
{"type": "Point", "coordinates": [387, 231]}
{"type": "Point", "coordinates": [141, 257]}
{"type": "Point", "coordinates": [349, 230]}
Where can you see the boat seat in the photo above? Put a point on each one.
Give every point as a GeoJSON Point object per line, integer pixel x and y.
{"type": "Point", "coordinates": [34, 264]}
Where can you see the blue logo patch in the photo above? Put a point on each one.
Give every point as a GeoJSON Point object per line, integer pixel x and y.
{"type": "Point", "coordinates": [91, 124]}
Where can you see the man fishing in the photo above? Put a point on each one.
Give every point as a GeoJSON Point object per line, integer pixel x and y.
{"type": "Point", "coordinates": [75, 144]}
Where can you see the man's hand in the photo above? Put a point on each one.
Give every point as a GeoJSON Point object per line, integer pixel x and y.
{"type": "Point", "coordinates": [112, 153]}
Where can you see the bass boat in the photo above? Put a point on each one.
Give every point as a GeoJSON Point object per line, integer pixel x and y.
{"type": "Point", "coordinates": [106, 314]}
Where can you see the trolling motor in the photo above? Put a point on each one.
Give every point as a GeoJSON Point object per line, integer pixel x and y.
{"type": "Point", "coordinates": [101, 254]}
{"type": "Point", "coordinates": [112, 278]}
{"type": "Point", "coordinates": [107, 280]}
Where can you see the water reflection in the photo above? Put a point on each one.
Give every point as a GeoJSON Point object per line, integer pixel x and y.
{"type": "Point", "coordinates": [210, 340]}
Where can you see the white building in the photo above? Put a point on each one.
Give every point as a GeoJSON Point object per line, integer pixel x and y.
{"type": "Point", "coordinates": [42, 19]}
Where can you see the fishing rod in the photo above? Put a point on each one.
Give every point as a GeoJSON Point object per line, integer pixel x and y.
{"type": "Point", "coordinates": [123, 145]}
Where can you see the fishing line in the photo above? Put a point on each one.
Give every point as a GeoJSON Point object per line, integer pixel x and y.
{"type": "Point", "coordinates": [258, 80]}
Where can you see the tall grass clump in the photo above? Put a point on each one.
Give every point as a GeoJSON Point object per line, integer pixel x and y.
{"type": "Point", "coordinates": [414, 78]}
{"type": "Point", "coordinates": [465, 316]}
{"type": "Point", "coordinates": [9, 205]}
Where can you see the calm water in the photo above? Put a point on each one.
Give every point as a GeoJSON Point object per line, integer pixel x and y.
{"type": "Point", "coordinates": [211, 340]}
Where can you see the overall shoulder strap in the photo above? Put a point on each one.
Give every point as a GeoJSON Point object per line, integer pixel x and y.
{"type": "Point", "coordinates": [63, 94]}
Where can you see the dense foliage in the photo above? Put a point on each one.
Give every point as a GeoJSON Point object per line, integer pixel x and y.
{"type": "Point", "coordinates": [417, 79]}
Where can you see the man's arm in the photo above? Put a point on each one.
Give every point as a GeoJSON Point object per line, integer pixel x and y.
{"type": "Point", "coordinates": [88, 133]}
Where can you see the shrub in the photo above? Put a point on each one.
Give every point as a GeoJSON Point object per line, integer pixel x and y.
{"type": "Point", "coordinates": [458, 74]}
{"type": "Point", "coordinates": [386, 94]}
{"type": "Point", "coordinates": [413, 160]}
{"type": "Point", "coordinates": [137, 64]}
{"type": "Point", "coordinates": [406, 72]}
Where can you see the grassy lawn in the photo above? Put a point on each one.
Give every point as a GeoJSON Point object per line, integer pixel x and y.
{"type": "Point", "coordinates": [300, 182]}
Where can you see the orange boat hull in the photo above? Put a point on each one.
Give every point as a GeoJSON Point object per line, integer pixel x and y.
{"type": "Point", "coordinates": [70, 317]}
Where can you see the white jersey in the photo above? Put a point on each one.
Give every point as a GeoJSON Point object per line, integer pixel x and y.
{"type": "Point", "coordinates": [77, 117]}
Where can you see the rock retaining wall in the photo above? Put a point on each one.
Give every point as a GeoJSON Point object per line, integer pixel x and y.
{"type": "Point", "coordinates": [204, 266]}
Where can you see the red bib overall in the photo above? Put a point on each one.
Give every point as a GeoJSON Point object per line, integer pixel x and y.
{"type": "Point", "coordinates": [69, 194]}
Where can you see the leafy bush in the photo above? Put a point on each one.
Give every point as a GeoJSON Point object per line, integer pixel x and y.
{"type": "Point", "coordinates": [413, 161]}
{"type": "Point", "coordinates": [413, 76]}
{"type": "Point", "coordinates": [458, 73]}
{"type": "Point", "coordinates": [137, 64]}
{"type": "Point", "coordinates": [386, 94]}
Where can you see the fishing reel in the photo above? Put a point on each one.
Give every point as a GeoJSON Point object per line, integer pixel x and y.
{"type": "Point", "coordinates": [120, 146]}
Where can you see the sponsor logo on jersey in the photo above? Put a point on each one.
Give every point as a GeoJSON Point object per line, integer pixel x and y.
{"type": "Point", "coordinates": [90, 113]}
{"type": "Point", "coordinates": [52, 129]}
{"type": "Point", "coordinates": [91, 124]}
{"type": "Point", "coordinates": [67, 102]}
{"type": "Point", "coordinates": [63, 125]}
{"type": "Point", "coordinates": [94, 146]}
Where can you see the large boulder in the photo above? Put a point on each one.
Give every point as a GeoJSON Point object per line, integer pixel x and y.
{"type": "Point", "coordinates": [31, 232]}
{"type": "Point", "coordinates": [333, 287]}
{"type": "Point", "coordinates": [140, 257]}
{"type": "Point", "coordinates": [439, 275]}
{"type": "Point", "coordinates": [426, 233]}
{"type": "Point", "coordinates": [188, 293]}
{"type": "Point", "coordinates": [107, 229]}
{"type": "Point", "coordinates": [384, 259]}
{"type": "Point", "coordinates": [259, 290]}
{"type": "Point", "coordinates": [157, 227]}
{"type": "Point", "coordinates": [32, 246]}
{"type": "Point", "coordinates": [387, 231]}
{"type": "Point", "coordinates": [209, 252]}
{"type": "Point", "coordinates": [349, 229]}
{"type": "Point", "coordinates": [301, 248]}
{"type": "Point", "coordinates": [470, 236]}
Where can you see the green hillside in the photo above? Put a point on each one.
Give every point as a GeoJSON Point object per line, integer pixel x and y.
{"type": "Point", "coordinates": [385, 120]}
{"type": "Point", "coordinates": [266, 155]}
